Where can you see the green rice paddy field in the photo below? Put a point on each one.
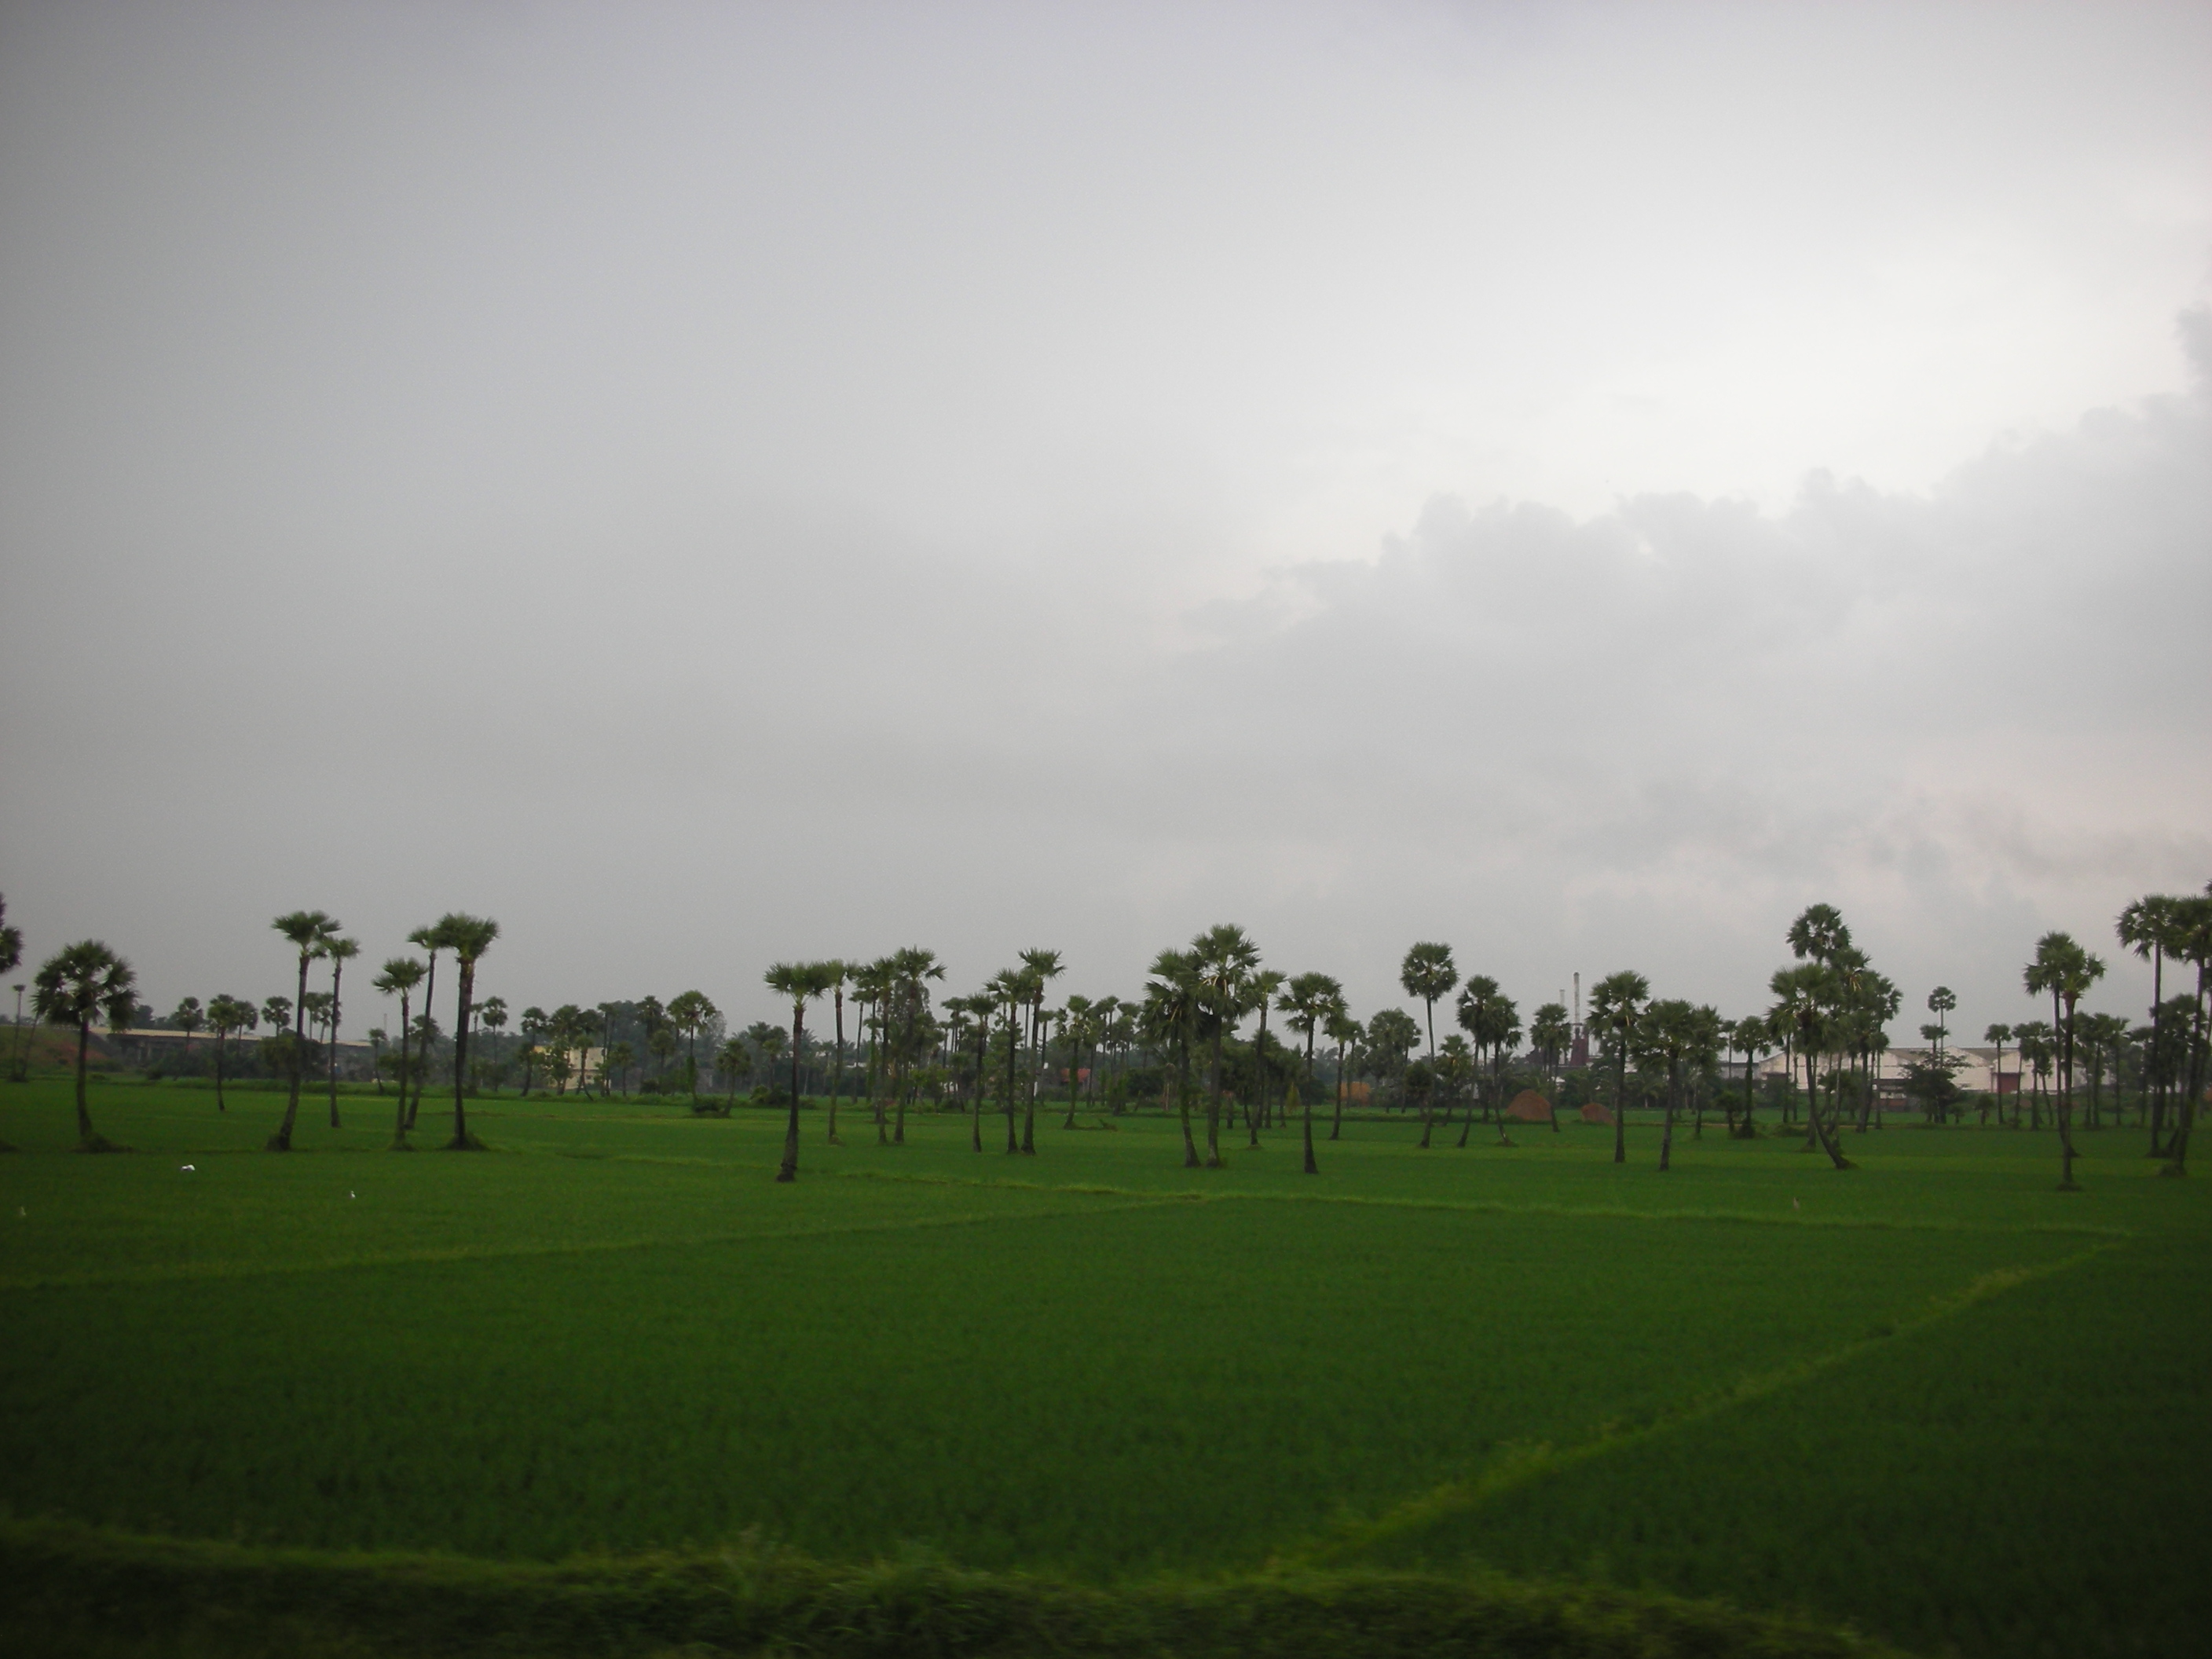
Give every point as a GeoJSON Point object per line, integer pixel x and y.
{"type": "Point", "coordinates": [1932, 1399]}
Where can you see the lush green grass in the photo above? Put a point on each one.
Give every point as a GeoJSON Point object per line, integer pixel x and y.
{"type": "Point", "coordinates": [1932, 1396]}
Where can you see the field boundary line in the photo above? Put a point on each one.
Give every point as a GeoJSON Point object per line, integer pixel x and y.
{"type": "Point", "coordinates": [1740, 1218]}
{"type": "Point", "coordinates": [1499, 1206]}
{"type": "Point", "coordinates": [171, 1272]}
{"type": "Point", "coordinates": [1525, 1464]}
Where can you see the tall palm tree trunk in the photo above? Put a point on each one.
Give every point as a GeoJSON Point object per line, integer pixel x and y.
{"type": "Point", "coordinates": [460, 1141]}
{"type": "Point", "coordinates": [1822, 1132]}
{"type": "Point", "coordinates": [1036, 1059]}
{"type": "Point", "coordinates": [1214, 1107]}
{"type": "Point", "coordinates": [85, 1136]}
{"type": "Point", "coordinates": [399, 1111]}
{"type": "Point", "coordinates": [338, 969]}
{"type": "Point", "coordinates": [1190, 1158]}
{"type": "Point", "coordinates": [1074, 1055]}
{"type": "Point", "coordinates": [983, 1076]}
{"type": "Point", "coordinates": [282, 1140]}
{"type": "Point", "coordinates": [2177, 1152]}
{"type": "Point", "coordinates": [1620, 1100]}
{"type": "Point", "coordinates": [423, 1049]}
{"type": "Point", "coordinates": [837, 1077]}
{"type": "Point", "coordinates": [1259, 1083]}
{"type": "Point", "coordinates": [1014, 1058]}
{"type": "Point", "coordinates": [2158, 1047]}
{"type": "Point", "coordinates": [1293, 1102]}
{"type": "Point", "coordinates": [789, 1169]}
{"type": "Point", "coordinates": [1336, 1124]}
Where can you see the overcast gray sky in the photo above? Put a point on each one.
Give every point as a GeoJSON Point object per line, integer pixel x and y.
{"type": "Point", "coordinates": [706, 483]}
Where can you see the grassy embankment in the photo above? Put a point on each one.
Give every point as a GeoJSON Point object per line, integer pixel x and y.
{"type": "Point", "coordinates": [1932, 1397]}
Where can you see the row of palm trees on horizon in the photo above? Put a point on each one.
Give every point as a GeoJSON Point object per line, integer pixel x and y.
{"type": "Point", "coordinates": [1828, 1018]}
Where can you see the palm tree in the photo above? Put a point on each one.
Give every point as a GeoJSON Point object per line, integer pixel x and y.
{"type": "Point", "coordinates": [1170, 1008]}
{"type": "Point", "coordinates": [1502, 1031]}
{"type": "Point", "coordinates": [2062, 968]}
{"type": "Point", "coordinates": [1456, 1064]}
{"type": "Point", "coordinates": [911, 1031]}
{"type": "Point", "coordinates": [1550, 1031]}
{"type": "Point", "coordinates": [1805, 1001]}
{"type": "Point", "coordinates": [1427, 973]}
{"type": "Point", "coordinates": [976, 1011]}
{"type": "Point", "coordinates": [2039, 1054]}
{"type": "Point", "coordinates": [872, 989]}
{"type": "Point", "coordinates": [308, 931]}
{"type": "Point", "coordinates": [2149, 927]}
{"type": "Point", "coordinates": [1343, 1030]}
{"type": "Point", "coordinates": [1223, 959]}
{"type": "Point", "coordinates": [802, 982]}
{"type": "Point", "coordinates": [1042, 966]}
{"type": "Point", "coordinates": [492, 1016]}
{"type": "Point", "coordinates": [652, 1025]}
{"type": "Point", "coordinates": [1941, 1001]}
{"type": "Point", "coordinates": [689, 1014]}
{"type": "Point", "coordinates": [1818, 934]}
{"type": "Point", "coordinates": [1999, 1035]}
{"type": "Point", "coordinates": [318, 1005]}
{"type": "Point", "coordinates": [78, 984]}
{"type": "Point", "coordinates": [2102, 1036]}
{"type": "Point", "coordinates": [1616, 1003]}
{"type": "Point", "coordinates": [731, 1058]}
{"type": "Point", "coordinates": [2193, 926]}
{"type": "Point", "coordinates": [468, 938]}
{"type": "Point", "coordinates": [400, 976]}
{"type": "Point", "coordinates": [1489, 1017]}
{"type": "Point", "coordinates": [839, 972]}
{"type": "Point", "coordinates": [621, 1056]}
{"type": "Point", "coordinates": [11, 957]}
{"type": "Point", "coordinates": [226, 1015]}
{"type": "Point", "coordinates": [568, 1045]}
{"type": "Point", "coordinates": [1673, 1033]}
{"type": "Point", "coordinates": [1309, 1000]}
{"type": "Point", "coordinates": [1871, 1001]}
{"type": "Point", "coordinates": [1747, 1037]}
{"type": "Point", "coordinates": [1078, 1022]}
{"type": "Point", "coordinates": [427, 939]}
{"type": "Point", "coordinates": [338, 951]}
{"type": "Point", "coordinates": [1010, 989]}
{"type": "Point", "coordinates": [1391, 1035]}
{"type": "Point", "coordinates": [188, 1018]}
{"type": "Point", "coordinates": [1262, 990]}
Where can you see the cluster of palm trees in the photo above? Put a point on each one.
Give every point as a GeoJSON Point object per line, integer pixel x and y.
{"type": "Point", "coordinates": [561, 1043]}
{"type": "Point", "coordinates": [316, 936]}
{"type": "Point", "coordinates": [2162, 927]}
{"type": "Point", "coordinates": [1194, 1000]}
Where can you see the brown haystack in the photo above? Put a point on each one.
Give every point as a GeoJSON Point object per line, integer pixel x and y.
{"type": "Point", "coordinates": [1594, 1112]}
{"type": "Point", "coordinates": [1529, 1107]}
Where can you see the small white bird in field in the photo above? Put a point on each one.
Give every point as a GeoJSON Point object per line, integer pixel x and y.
{"type": "Point", "coordinates": [185, 1169]}
{"type": "Point", "coordinates": [349, 1192]}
